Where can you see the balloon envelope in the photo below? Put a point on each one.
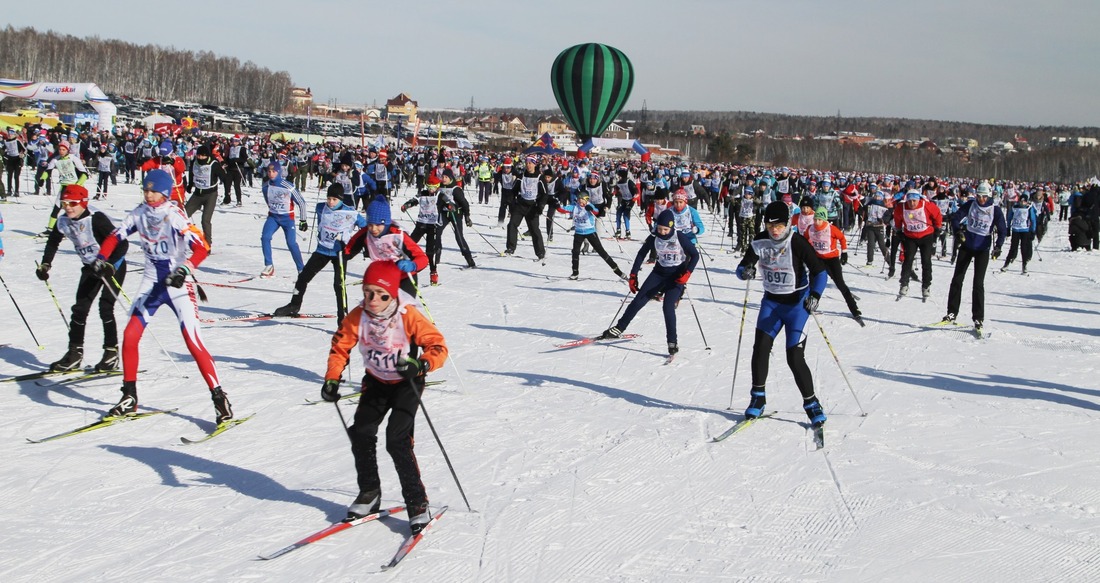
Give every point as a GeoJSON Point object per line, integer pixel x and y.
{"type": "Point", "coordinates": [591, 83]}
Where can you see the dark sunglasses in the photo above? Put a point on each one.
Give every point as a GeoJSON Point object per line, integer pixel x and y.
{"type": "Point", "coordinates": [381, 296]}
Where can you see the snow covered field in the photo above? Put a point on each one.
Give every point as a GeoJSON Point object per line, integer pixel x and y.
{"type": "Point", "coordinates": [976, 460]}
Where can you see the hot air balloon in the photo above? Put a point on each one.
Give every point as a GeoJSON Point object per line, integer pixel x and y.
{"type": "Point", "coordinates": [591, 83]}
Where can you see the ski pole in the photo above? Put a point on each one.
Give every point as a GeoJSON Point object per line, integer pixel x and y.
{"type": "Point", "coordinates": [740, 335]}
{"type": "Point", "coordinates": [55, 302]}
{"type": "Point", "coordinates": [837, 359]}
{"type": "Point", "coordinates": [706, 272]}
{"type": "Point", "coordinates": [697, 322]}
{"type": "Point", "coordinates": [484, 239]}
{"type": "Point", "coordinates": [25, 323]}
{"type": "Point", "coordinates": [343, 422]}
{"type": "Point", "coordinates": [617, 312]}
{"type": "Point", "coordinates": [440, 443]}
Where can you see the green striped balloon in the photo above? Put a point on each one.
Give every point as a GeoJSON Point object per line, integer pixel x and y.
{"type": "Point", "coordinates": [591, 83]}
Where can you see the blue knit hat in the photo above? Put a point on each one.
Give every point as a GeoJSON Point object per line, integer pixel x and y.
{"type": "Point", "coordinates": [666, 219]}
{"type": "Point", "coordinates": [159, 181]}
{"type": "Point", "coordinates": [378, 212]}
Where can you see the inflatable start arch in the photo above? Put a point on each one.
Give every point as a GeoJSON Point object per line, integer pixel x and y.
{"type": "Point", "coordinates": [64, 92]}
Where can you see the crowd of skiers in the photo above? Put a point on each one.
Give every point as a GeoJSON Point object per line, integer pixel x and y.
{"type": "Point", "coordinates": [793, 227]}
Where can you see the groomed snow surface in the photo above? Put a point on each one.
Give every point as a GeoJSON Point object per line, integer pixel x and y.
{"type": "Point", "coordinates": [976, 460]}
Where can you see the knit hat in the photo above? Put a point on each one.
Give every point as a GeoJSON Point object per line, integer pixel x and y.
{"type": "Point", "coordinates": [378, 212]}
{"type": "Point", "coordinates": [165, 148]}
{"type": "Point", "coordinates": [275, 165]}
{"type": "Point", "coordinates": [75, 193]}
{"type": "Point", "coordinates": [666, 219]}
{"type": "Point", "coordinates": [777, 212]}
{"type": "Point", "coordinates": [383, 274]}
{"type": "Point", "coordinates": [159, 181]}
{"type": "Point", "coordinates": [433, 180]}
{"type": "Point", "coordinates": [983, 188]}
{"type": "Point", "coordinates": [680, 195]}
{"type": "Point", "coordinates": [821, 213]}
{"type": "Point", "coordinates": [335, 190]}
{"type": "Point", "coordinates": [806, 202]}
{"type": "Point", "coordinates": [913, 195]}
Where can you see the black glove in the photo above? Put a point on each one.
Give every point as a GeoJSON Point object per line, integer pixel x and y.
{"type": "Point", "coordinates": [469, 222]}
{"type": "Point", "coordinates": [303, 225]}
{"type": "Point", "coordinates": [746, 272]}
{"type": "Point", "coordinates": [178, 276]}
{"type": "Point", "coordinates": [996, 253]}
{"type": "Point", "coordinates": [844, 258]}
{"type": "Point", "coordinates": [330, 391]}
{"type": "Point", "coordinates": [103, 269]}
{"type": "Point", "coordinates": [43, 271]}
{"type": "Point", "coordinates": [412, 367]}
{"type": "Point", "coordinates": [811, 303]}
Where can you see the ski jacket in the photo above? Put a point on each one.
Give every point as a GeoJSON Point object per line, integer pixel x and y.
{"type": "Point", "coordinates": [383, 342]}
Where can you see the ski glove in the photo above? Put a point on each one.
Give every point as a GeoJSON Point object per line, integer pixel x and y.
{"type": "Point", "coordinates": [407, 265]}
{"type": "Point", "coordinates": [43, 271]}
{"type": "Point", "coordinates": [177, 277]}
{"type": "Point", "coordinates": [412, 367]}
{"type": "Point", "coordinates": [330, 391]}
{"type": "Point", "coordinates": [633, 282]}
{"type": "Point", "coordinates": [746, 272]}
{"type": "Point", "coordinates": [996, 253]}
{"type": "Point", "coordinates": [844, 258]}
{"type": "Point", "coordinates": [811, 303]}
{"type": "Point", "coordinates": [469, 223]}
{"type": "Point", "coordinates": [303, 225]}
{"type": "Point", "coordinates": [103, 269]}
{"type": "Point", "coordinates": [684, 277]}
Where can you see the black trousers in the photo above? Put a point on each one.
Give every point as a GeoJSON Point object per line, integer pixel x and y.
{"type": "Point", "coordinates": [432, 245]}
{"type": "Point", "coordinates": [926, 246]}
{"type": "Point", "coordinates": [86, 290]}
{"type": "Point", "coordinates": [836, 273]}
{"type": "Point", "coordinates": [313, 266]}
{"type": "Point", "coordinates": [875, 236]}
{"type": "Point", "coordinates": [207, 201]}
{"type": "Point", "coordinates": [593, 240]}
{"type": "Point", "coordinates": [977, 297]}
{"type": "Point", "coordinates": [401, 403]}
{"type": "Point", "coordinates": [525, 210]}
{"type": "Point", "coordinates": [233, 173]}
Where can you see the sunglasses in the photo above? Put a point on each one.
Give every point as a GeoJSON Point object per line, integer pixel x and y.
{"type": "Point", "coordinates": [382, 296]}
{"type": "Point", "coordinates": [68, 203]}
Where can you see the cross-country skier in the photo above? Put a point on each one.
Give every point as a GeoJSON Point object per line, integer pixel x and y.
{"type": "Point", "coordinates": [794, 279]}
{"type": "Point", "coordinates": [676, 259]}
{"type": "Point", "coordinates": [173, 248]}
{"type": "Point", "coordinates": [981, 218]}
{"type": "Point", "coordinates": [383, 240]}
{"type": "Point", "coordinates": [831, 247]}
{"type": "Point", "coordinates": [584, 230]}
{"type": "Point", "coordinates": [281, 197]}
{"type": "Point", "coordinates": [86, 228]}
{"type": "Point", "coordinates": [399, 346]}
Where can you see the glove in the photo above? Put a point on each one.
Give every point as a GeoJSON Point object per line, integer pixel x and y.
{"type": "Point", "coordinates": [43, 271]}
{"type": "Point", "coordinates": [404, 207]}
{"type": "Point", "coordinates": [406, 265]}
{"type": "Point", "coordinates": [412, 367]}
{"type": "Point", "coordinates": [633, 282]}
{"type": "Point", "coordinates": [996, 253]}
{"type": "Point", "coordinates": [178, 276]}
{"type": "Point", "coordinates": [330, 391]}
{"type": "Point", "coordinates": [746, 272]}
{"type": "Point", "coordinates": [844, 258]}
{"type": "Point", "coordinates": [469, 223]}
{"type": "Point", "coordinates": [303, 225]}
{"type": "Point", "coordinates": [684, 277]}
{"type": "Point", "coordinates": [103, 269]}
{"type": "Point", "coordinates": [450, 208]}
{"type": "Point", "coordinates": [811, 303]}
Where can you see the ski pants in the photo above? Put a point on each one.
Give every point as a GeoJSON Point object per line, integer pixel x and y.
{"type": "Point", "coordinates": [875, 236]}
{"type": "Point", "coordinates": [13, 166]}
{"type": "Point", "coordinates": [773, 317]}
{"type": "Point", "coordinates": [401, 402]}
{"type": "Point", "coordinates": [286, 223]}
{"type": "Point", "coordinates": [313, 266]}
{"type": "Point", "coordinates": [484, 191]}
{"type": "Point", "coordinates": [622, 214]}
{"type": "Point", "coordinates": [86, 290]}
{"type": "Point", "coordinates": [977, 297]}
{"type": "Point", "coordinates": [103, 182]}
{"type": "Point", "coordinates": [206, 200]}
{"type": "Point", "coordinates": [658, 282]}
{"type": "Point", "coordinates": [431, 247]}
{"type": "Point", "coordinates": [455, 222]}
{"type": "Point", "coordinates": [153, 294]}
{"type": "Point", "coordinates": [836, 273]}
{"type": "Point", "coordinates": [233, 179]}
{"type": "Point", "coordinates": [507, 197]}
{"type": "Point", "coordinates": [525, 210]}
{"type": "Point", "coordinates": [594, 240]}
{"type": "Point", "coordinates": [910, 246]}
{"type": "Point", "coordinates": [1021, 242]}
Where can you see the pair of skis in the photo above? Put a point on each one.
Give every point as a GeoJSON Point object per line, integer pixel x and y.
{"type": "Point", "coordinates": [111, 420]}
{"type": "Point", "coordinates": [262, 317]}
{"type": "Point", "coordinates": [407, 546]}
{"type": "Point", "coordinates": [741, 425]}
{"type": "Point", "coordinates": [978, 330]}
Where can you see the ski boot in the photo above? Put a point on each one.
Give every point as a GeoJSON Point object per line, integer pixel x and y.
{"type": "Point", "coordinates": [673, 348]}
{"type": "Point", "coordinates": [365, 503]}
{"type": "Point", "coordinates": [757, 401]}
{"type": "Point", "coordinates": [435, 278]}
{"type": "Point", "coordinates": [576, 275]}
{"type": "Point", "coordinates": [71, 360]}
{"type": "Point", "coordinates": [268, 271]}
{"type": "Point", "coordinates": [290, 309]}
{"type": "Point", "coordinates": [128, 403]}
{"type": "Point", "coordinates": [109, 362]}
{"type": "Point", "coordinates": [223, 411]}
{"type": "Point", "coordinates": [610, 333]}
{"type": "Point", "coordinates": [419, 517]}
{"type": "Point", "coordinates": [814, 412]}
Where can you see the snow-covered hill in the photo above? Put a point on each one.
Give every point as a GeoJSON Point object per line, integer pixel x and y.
{"type": "Point", "coordinates": [976, 460]}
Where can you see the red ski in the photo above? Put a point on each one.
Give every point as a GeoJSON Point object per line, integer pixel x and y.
{"type": "Point", "coordinates": [584, 341]}
{"type": "Point", "coordinates": [331, 530]}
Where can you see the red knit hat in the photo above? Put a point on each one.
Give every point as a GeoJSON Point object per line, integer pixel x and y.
{"type": "Point", "coordinates": [383, 274]}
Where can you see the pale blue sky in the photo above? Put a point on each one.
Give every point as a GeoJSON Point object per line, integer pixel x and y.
{"type": "Point", "coordinates": [985, 61]}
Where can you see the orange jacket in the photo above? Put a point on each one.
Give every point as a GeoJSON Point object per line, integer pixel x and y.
{"type": "Point", "coordinates": [827, 245]}
{"type": "Point", "coordinates": [420, 330]}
